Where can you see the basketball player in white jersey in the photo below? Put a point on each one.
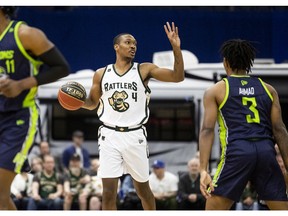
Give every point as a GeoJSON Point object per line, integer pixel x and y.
{"type": "Point", "coordinates": [121, 94]}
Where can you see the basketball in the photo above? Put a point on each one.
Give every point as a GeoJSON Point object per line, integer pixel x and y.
{"type": "Point", "coordinates": [72, 95]}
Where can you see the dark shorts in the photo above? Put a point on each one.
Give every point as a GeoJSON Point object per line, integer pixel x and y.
{"type": "Point", "coordinates": [253, 161]}
{"type": "Point", "coordinates": [17, 133]}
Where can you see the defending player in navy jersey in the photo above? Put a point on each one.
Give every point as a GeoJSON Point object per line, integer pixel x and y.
{"type": "Point", "coordinates": [250, 123]}
{"type": "Point", "coordinates": [121, 93]}
{"type": "Point", "coordinates": [23, 49]}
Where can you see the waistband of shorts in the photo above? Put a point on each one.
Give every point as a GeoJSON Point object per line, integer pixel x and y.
{"type": "Point", "coordinates": [122, 129]}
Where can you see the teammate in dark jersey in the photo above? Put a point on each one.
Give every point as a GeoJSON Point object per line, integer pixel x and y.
{"type": "Point", "coordinates": [23, 49]}
{"type": "Point", "coordinates": [250, 123]}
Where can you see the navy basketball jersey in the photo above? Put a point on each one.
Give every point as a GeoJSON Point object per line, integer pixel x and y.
{"type": "Point", "coordinates": [17, 64]}
{"type": "Point", "coordinates": [245, 112]}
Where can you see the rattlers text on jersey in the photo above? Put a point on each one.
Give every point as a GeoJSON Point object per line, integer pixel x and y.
{"type": "Point", "coordinates": [125, 98]}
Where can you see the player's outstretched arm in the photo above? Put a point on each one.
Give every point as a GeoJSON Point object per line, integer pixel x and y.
{"type": "Point", "coordinates": [164, 74]}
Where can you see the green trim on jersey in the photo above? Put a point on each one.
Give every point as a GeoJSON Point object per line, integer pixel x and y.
{"type": "Point", "coordinates": [147, 92]}
{"type": "Point", "coordinates": [226, 93]}
{"type": "Point", "coordinates": [223, 131]}
{"type": "Point", "coordinates": [29, 100]}
{"type": "Point", "coordinates": [223, 141]}
{"type": "Point", "coordinates": [234, 75]}
{"type": "Point", "coordinates": [5, 31]}
{"type": "Point", "coordinates": [266, 89]}
{"type": "Point", "coordinates": [35, 63]}
{"type": "Point", "coordinates": [20, 157]}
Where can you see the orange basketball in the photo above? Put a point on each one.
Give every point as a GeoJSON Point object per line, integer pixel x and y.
{"type": "Point", "coordinates": [72, 95]}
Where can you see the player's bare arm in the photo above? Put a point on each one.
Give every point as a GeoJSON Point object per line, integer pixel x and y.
{"type": "Point", "coordinates": [279, 128]}
{"type": "Point", "coordinates": [207, 138]}
{"type": "Point", "coordinates": [35, 41]}
{"type": "Point", "coordinates": [167, 75]}
{"type": "Point", "coordinates": [92, 100]}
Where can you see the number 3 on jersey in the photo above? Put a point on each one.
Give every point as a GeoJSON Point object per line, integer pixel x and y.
{"type": "Point", "coordinates": [251, 102]}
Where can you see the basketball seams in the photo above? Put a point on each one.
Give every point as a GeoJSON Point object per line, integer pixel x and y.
{"type": "Point", "coordinates": [79, 89]}
{"type": "Point", "coordinates": [77, 86]}
{"type": "Point", "coordinates": [72, 95]}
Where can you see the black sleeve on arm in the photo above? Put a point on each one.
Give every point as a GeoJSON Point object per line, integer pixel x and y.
{"type": "Point", "coordinates": [58, 67]}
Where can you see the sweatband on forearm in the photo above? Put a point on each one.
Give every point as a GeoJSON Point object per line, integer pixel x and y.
{"type": "Point", "coordinates": [58, 67]}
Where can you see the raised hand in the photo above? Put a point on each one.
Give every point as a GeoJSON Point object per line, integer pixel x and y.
{"type": "Point", "coordinates": [172, 34]}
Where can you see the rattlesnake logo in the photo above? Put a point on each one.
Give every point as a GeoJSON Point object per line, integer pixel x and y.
{"type": "Point", "coordinates": [117, 101]}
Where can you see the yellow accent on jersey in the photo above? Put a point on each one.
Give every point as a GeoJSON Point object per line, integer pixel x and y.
{"type": "Point", "coordinates": [266, 89]}
{"type": "Point", "coordinates": [5, 31]}
{"type": "Point", "coordinates": [21, 156]}
{"type": "Point", "coordinates": [226, 93]}
{"type": "Point", "coordinates": [35, 64]}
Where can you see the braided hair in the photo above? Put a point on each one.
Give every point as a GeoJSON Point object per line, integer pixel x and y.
{"type": "Point", "coordinates": [9, 11]}
{"type": "Point", "coordinates": [239, 53]}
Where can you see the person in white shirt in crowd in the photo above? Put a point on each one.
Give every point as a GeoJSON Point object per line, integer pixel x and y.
{"type": "Point", "coordinates": [164, 186]}
{"type": "Point", "coordinates": [21, 190]}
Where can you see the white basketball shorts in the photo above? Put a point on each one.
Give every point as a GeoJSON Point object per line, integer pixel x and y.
{"type": "Point", "coordinates": [123, 152]}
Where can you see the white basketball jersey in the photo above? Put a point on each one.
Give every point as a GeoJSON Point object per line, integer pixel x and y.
{"type": "Point", "coordinates": [124, 101]}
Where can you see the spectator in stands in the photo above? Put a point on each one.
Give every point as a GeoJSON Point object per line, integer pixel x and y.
{"type": "Point", "coordinates": [36, 165]}
{"type": "Point", "coordinates": [189, 194]}
{"type": "Point", "coordinates": [43, 149]}
{"type": "Point", "coordinates": [261, 203]}
{"type": "Point", "coordinates": [94, 165]}
{"type": "Point", "coordinates": [248, 199]}
{"type": "Point", "coordinates": [129, 199]}
{"type": "Point", "coordinates": [95, 187]}
{"type": "Point", "coordinates": [76, 147]}
{"type": "Point", "coordinates": [164, 186]}
{"type": "Point", "coordinates": [282, 165]}
{"type": "Point", "coordinates": [95, 191]}
{"type": "Point", "coordinates": [21, 190]}
{"type": "Point", "coordinates": [75, 180]}
{"type": "Point", "coordinates": [47, 188]}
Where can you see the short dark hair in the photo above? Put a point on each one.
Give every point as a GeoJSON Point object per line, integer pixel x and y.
{"type": "Point", "coordinates": [240, 54]}
{"type": "Point", "coordinates": [9, 11]}
{"type": "Point", "coordinates": [117, 38]}
{"type": "Point", "coordinates": [78, 133]}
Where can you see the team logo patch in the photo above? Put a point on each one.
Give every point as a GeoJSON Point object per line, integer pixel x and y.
{"type": "Point", "coordinates": [243, 82]}
{"type": "Point", "coordinates": [117, 101]}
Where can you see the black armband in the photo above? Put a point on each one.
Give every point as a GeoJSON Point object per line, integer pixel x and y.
{"type": "Point", "coordinates": [58, 67]}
